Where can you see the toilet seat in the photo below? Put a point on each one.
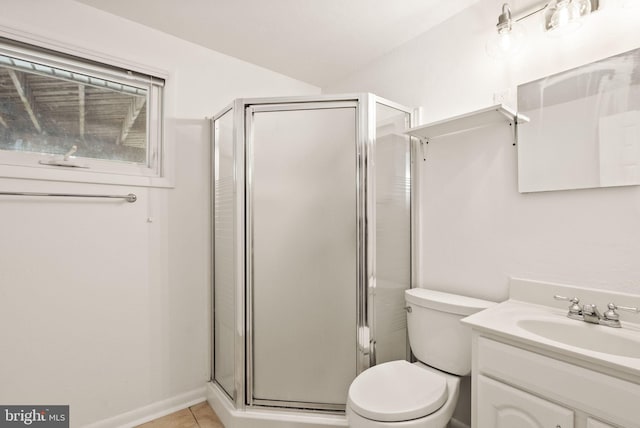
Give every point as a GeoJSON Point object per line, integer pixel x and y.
{"type": "Point", "coordinates": [397, 391]}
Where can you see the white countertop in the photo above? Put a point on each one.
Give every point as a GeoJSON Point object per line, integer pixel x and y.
{"type": "Point", "coordinates": [506, 319]}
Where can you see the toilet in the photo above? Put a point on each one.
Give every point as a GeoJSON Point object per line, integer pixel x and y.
{"type": "Point", "coordinates": [424, 394]}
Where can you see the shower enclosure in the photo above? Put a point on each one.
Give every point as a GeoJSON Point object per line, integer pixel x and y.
{"type": "Point", "coordinates": [312, 246]}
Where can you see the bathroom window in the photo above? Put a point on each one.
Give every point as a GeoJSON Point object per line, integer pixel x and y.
{"type": "Point", "coordinates": [62, 112]}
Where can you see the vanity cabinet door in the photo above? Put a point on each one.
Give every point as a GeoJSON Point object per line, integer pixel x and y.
{"type": "Point", "coordinates": [592, 423]}
{"type": "Point", "coordinates": [501, 406]}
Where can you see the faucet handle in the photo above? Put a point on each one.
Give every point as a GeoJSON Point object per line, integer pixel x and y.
{"type": "Point", "coordinates": [574, 309]}
{"type": "Point", "coordinates": [611, 318]}
{"type": "Point", "coordinates": [611, 313]}
{"type": "Point", "coordinates": [573, 300]}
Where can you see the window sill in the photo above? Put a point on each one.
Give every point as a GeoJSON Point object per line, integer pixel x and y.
{"type": "Point", "coordinates": [52, 173]}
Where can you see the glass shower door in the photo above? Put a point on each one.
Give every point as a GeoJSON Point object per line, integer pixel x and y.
{"type": "Point", "coordinates": [302, 240]}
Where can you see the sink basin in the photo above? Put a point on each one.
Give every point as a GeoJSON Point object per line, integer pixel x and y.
{"type": "Point", "coordinates": [591, 337]}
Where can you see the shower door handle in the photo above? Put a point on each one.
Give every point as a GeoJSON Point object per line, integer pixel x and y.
{"type": "Point", "coordinates": [372, 354]}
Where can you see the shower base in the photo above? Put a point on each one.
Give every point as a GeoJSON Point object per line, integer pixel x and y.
{"type": "Point", "coordinates": [266, 418]}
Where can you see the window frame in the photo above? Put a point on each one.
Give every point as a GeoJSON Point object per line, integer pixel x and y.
{"type": "Point", "coordinates": [154, 173]}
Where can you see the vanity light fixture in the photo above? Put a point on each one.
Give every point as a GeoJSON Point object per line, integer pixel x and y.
{"type": "Point", "coordinates": [560, 17]}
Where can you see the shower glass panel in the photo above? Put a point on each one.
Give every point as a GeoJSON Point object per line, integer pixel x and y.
{"type": "Point", "coordinates": [303, 233]}
{"type": "Point", "coordinates": [224, 250]}
{"type": "Point", "coordinates": [393, 232]}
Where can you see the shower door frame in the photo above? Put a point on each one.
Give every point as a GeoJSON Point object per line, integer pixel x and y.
{"type": "Point", "coordinates": [360, 159]}
{"type": "Point", "coordinates": [365, 105]}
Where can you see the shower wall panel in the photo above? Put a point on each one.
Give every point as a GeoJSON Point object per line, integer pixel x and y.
{"type": "Point", "coordinates": [393, 232]}
{"type": "Point", "coordinates": [224, 250]}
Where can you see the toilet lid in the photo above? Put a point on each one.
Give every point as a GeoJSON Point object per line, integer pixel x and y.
{"type": "Point", "coordinates": [397, 391]}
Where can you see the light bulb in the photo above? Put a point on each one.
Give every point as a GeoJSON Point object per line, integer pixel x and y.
{"type": "Point", "coordinates": [563, 16]}
{"type": "Point", "coordinates": [508, 38]}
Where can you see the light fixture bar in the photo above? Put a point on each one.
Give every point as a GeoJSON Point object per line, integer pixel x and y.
{"type": "Point", "coordinates": [530, 11]}
{"type": "Point", "coordinates": [540, 7]}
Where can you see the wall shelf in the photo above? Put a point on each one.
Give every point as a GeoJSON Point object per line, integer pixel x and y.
{"type": "Point", "coordinates": [467, 122]}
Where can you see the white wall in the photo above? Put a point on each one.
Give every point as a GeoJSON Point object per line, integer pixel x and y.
{"type": "Point", "coordinates": [100, 308]}
{"type": "Point", "coordinates": [476, 229]}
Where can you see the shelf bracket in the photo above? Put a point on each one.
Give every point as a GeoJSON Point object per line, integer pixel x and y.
{"type": "Point", "coordinates": [423, 142]}
{"type": "Point", "coordinates": [515, 130]}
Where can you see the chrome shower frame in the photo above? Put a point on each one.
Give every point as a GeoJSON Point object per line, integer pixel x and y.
{"type": "Point", "coordinates": [365, 105]}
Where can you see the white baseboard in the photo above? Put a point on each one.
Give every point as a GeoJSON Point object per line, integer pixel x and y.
{"type": "Point", "coordinates": [153, 410]}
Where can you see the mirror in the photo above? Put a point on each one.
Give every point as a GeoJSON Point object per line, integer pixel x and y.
{"type": "Point", "coordinates": [585, 127]}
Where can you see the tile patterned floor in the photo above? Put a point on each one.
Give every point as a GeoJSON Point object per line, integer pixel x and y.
{"type": "Point", "coordinates": [198, 416]}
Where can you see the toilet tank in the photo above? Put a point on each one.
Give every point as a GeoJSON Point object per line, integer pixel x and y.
{"type": "Point", "coordinates": [436, 335]}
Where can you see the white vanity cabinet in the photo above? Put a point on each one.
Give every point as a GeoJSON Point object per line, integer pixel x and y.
{"type": "Point", "coordinates": [518, 386]}
{"type": "Point", "coordinates": [535, 366]}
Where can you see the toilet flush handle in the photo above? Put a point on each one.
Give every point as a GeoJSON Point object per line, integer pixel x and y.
{"type": "Point", "coordinates": [407, 308]}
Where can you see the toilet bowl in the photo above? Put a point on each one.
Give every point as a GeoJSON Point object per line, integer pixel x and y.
{"type": "Point", "coordinates": [424, 394]}
{"type": "Point", "coordinates": [404, 395]}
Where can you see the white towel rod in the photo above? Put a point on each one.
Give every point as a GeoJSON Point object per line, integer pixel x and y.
{"type": "Point", "coordinates": [129, 198]}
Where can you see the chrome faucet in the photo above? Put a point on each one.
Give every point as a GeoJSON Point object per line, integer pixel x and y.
{"type": "Point", "coordinates": [591, 314]}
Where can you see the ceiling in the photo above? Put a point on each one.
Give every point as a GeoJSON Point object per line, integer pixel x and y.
{"type": "Point", "coordinates": [316, 41]}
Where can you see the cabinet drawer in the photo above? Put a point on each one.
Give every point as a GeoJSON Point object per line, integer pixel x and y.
{"type": "Point", "coordinates": [592, 423]}
{"type": "Point", "coordinates": [610, 398]}
{"type": "Point", "coordinates": [501, 406]}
